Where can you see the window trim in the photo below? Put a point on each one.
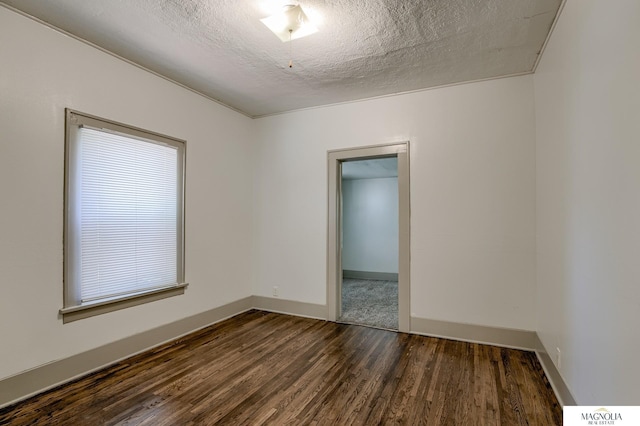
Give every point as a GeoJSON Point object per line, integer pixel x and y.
{"type": "Point", "coordinates": [72, 310]}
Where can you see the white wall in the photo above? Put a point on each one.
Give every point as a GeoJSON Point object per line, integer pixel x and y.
{"type": "Point", "coordinates": [473, 178]}
{"type": "Point", "coordinates": [41, 73]}
{"type": "Point", "coordinates": [587, 92]}
{"type": "Point", "coordinates": [472, 197]}
{"type": "Point", "coordinates": [370, 225]}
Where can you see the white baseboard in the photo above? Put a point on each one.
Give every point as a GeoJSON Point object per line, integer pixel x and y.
{"type": "Point", "coordinates": [555, 378]}
{"type": "Point", "coordinates": [39, 379]}
{"type": "Point", "coordinates": [42, 378]}
{"type": "Point", "coordinates": [497, 336]}
{"type": "Point", "coordinates": [290, 307]}
{"type": "Point", "coordinates": [31, 382]}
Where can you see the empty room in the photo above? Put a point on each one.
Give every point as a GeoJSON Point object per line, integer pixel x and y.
{"type": "Point", "coordinates": [176, 231]}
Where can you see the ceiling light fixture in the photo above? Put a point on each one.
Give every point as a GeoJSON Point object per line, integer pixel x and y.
{"type": "Point", "coordinates": [290, 24]}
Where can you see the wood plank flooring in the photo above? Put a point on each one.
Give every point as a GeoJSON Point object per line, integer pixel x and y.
{"type": "Point", "coordinates": [266, 368]}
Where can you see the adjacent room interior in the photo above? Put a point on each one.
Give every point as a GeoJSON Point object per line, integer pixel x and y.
{"type": "Point", "coordinates": [370, 242]}
{"type": "Point", "coordinates": [522, 123]}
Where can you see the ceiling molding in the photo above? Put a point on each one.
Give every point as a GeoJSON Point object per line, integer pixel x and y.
{"type": "Point", "coordinates": [176, 44]}
{"type": "Point", "coordinates": [546, 40]}
{"type": "Point", "coordinates": [390, 95]}
{"type": "Point", "coordinates": [110, 53]}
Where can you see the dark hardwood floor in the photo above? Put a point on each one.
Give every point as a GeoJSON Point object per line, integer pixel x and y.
{"type": "Point", "coordinates": [265, 368]}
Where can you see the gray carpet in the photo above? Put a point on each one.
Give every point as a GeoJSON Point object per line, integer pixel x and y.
{"type": "Point", "coordinates": [370, 302]}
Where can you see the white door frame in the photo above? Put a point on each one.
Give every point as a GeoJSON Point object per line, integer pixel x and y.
{"type": "Point", "coordinates": [334, 225]}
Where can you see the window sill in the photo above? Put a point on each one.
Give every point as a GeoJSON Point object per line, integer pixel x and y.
{"type": "Point", "coordinates": [75, 313]}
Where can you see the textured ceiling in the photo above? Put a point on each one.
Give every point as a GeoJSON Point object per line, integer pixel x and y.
{"type": "Point", "coordinates": [363, 49]}
{"type": "Point", "coordinates": [370, 169]}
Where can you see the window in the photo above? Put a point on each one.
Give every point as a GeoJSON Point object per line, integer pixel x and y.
{"type": "Point", "coordinates": [123, 216]}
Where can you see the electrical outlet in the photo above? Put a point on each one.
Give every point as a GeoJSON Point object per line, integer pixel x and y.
{"type": "Point", "coordinates": [559, 358]}
{"type": "Point", "coordinates": [275, 291]}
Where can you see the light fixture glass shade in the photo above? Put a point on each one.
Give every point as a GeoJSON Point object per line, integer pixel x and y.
{"type": "Point", "coordinates": [290, 24]}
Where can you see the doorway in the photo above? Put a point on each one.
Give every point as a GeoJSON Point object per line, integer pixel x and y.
{"type": "Point", "coordinates": [339, 277]}
{"type": "Point", "coordinates": [369, 291]}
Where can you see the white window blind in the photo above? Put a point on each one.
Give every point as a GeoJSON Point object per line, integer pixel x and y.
{"type": "Point", "coordinates": [125, 215]}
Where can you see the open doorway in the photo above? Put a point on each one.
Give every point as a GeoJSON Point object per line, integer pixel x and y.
{"type": "Point", "coordinates": [335, 243]}
{"type": "Point", "coordinates": [369, 291]}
